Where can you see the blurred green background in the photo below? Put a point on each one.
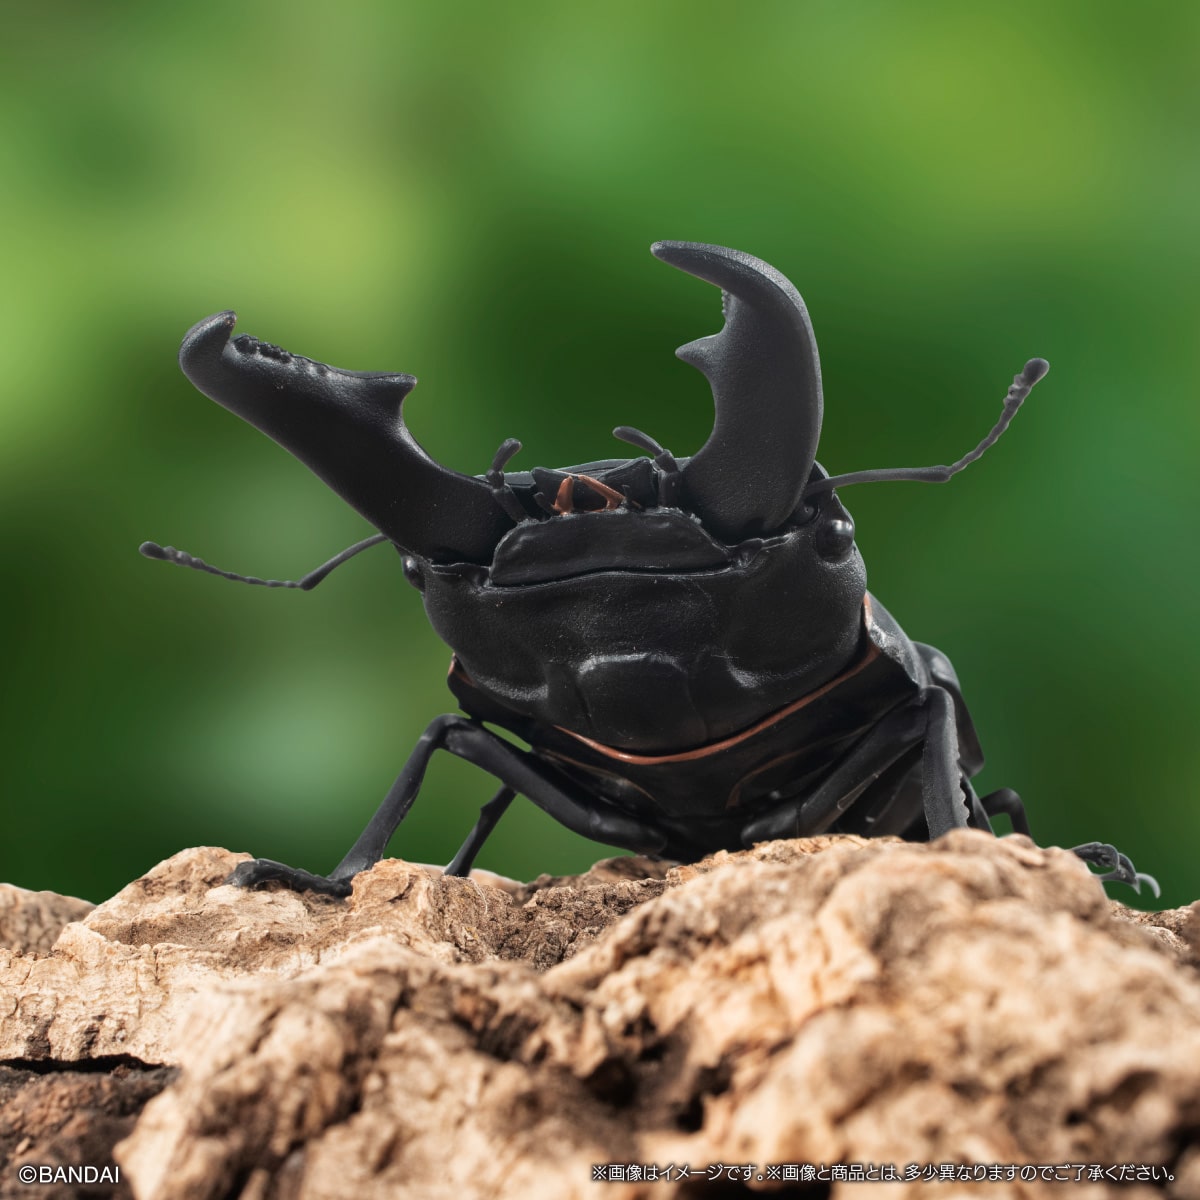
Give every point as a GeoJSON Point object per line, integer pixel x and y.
{"type": "Point", "coordinates": [468, 192]}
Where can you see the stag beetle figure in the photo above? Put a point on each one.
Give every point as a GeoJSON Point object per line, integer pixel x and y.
{"type": "Point", "coordinates": [687, 646]}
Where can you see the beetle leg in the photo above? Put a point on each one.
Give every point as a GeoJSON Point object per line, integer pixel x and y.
{"type": "Point", "coordinates": [941, 773]}
{"type": "Point", "coordinates": [1119, 867]}
{"type": "Point", "coordinates": [517, 769]}
{"type": "Point", "coordinates": [977, 814]}
{"type": "Point", "coordinates": [930, 718]}
{"type": "Point", "coordinates": [1006, 802]}
{"type": "Point", "coordinates": [267, 870]}
{"type": "Point", "coordinates": [489, 817]}
{"type": "Point", "coordinates": [890, 739]}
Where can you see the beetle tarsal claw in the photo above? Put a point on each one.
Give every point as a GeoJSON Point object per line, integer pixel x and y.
{"type": "Point", "coordinates": [1116, 867]}
{"type": "Point", "coordinates": [266, 870]}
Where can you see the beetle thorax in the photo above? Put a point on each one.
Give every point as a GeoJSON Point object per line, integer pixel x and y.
{"type": "Point", "coordinates": [641, 631]}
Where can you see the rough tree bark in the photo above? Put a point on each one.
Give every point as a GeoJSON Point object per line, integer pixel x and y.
{"type": "Point", "coordinates": [828, 1001]}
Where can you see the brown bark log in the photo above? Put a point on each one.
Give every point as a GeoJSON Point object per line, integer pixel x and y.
{"type": "Point", "coordinates": [831, 1001]}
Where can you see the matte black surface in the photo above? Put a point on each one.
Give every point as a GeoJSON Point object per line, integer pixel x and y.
{"type": "Point", "coordinates": [347, 427]}
{"type": "Point", "coordinates": [766, 381]}
{"type": "Point", "coordinates": [687, 646]}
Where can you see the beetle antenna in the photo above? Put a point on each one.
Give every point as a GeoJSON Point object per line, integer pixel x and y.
{"type": "Point", "coordinates": [669, 474]}
{"type": "Point", "coordinates": [1022, 385]}
{"type": "Point", "coordinates": [307, 583]}
{"type": "Point", "coordinates": [505, 496]}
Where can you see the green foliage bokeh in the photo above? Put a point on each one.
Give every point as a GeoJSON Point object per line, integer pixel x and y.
{"type": "Point", "coordinates": [467, 192]}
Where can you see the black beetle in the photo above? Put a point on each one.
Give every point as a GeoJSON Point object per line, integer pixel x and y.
{"type": "Point", "coordinates": [687, 646]}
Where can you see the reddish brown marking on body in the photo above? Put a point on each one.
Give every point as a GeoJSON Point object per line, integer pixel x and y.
{"type": "Point", "coordinates": [612, 498]}
{"type": "Point", "coordinates": [871, 653]}
{"type": "Point", "coordinates": [564, 502]}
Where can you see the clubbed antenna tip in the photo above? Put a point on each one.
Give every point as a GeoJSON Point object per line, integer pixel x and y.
{"type": "Point", "coordinates": [1035, 370]}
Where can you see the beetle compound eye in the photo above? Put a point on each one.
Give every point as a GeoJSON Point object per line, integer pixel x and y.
{"type": "Point", "coordinates": [412, 572]}
{"type": "Point", "coordinates": [835, 539]}
{"type": "Point", "coordinates": [806, 512]}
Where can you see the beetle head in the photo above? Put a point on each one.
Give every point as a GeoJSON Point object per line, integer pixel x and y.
{"type": "Point", "coordinates": [577, 596]}
{"type": "Point", "coordinates": [648, 602]}
{"type": "Point", "coordinates": [746, 481]}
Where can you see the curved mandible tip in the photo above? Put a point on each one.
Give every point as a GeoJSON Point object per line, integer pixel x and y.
{"type": "Point", "coordinates": [347, 427]}
{"type": "Point", "coordinates": [749, 476]}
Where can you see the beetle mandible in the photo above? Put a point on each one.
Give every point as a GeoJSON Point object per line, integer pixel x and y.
{"type": "Point", "coordinates": [687, 646]}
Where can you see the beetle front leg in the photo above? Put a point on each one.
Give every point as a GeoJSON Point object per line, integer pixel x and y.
{"type": "Point", "coordinates": [888, 741]}
{"type": "Point", "coordinates": [1115, 866]}
{"type": "Point", "coordinates": [489, 817]}
{"type": "Point", "coordinates": [518, 770]}
{"type": "Point", "coordinates": [928, 719]}
{"type": "Point", "coordinates": [371, 843]}
{"type": "Point", "coordinates": [1005, 802]}
{"type": "Point", "coordinates": [941, 772]}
